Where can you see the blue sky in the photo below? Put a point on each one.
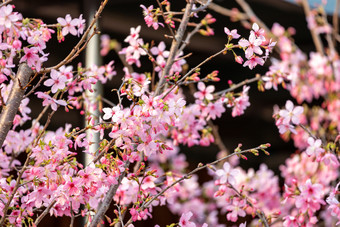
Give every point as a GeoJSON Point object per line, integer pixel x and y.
{"type": "Point", "coordinates": [329, 7]}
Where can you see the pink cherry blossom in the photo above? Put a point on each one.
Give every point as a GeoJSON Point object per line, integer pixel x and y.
{"type": "Point", "coordinates": [160, 52]}
{"type": "Point", "coordinates": [252, 46]}
{"type": "Point", "coordinates": [31, 57]}
{"type": "Point", "coordinates": [68, 25]}
{"type": "Point", "coordinates": [253, 61]}
{"type": "Point", "coordinates": [204, 92]}
{"type": "Point", "coordinates": [227, 174]}
{"type": "Point", "coordinates": [231, 34]}
{"type": "Point", "coordinates": [48, 100]}
{"type": "Point", "coordinates": [235, 210]}
{"type": "Point", "coordinates": [57, 81]}
{"type": "Point", "coordinates": [184, 220]}
{"type": "Point", "coordinates": [314, 147]}
{"type": "Point", "coordinates": [259, 33]}
{"type": "Point", "coordinates": [8, 17]}
{"type": "Point", "coordinates": [291, 113]}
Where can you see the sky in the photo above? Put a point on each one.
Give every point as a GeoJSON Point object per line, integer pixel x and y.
{"type": "Point", "coordinates": [329, 6]}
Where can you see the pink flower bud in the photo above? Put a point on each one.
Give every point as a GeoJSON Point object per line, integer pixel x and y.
{"type": "Point", "coordinates": [239, 59]}
{"type": "Point", "coordinates": [16, 44]}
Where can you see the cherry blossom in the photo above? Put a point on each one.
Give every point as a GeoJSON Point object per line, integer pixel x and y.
{"type": "Point", "coordinates": [142, 131]}
{"type": "Point", "coordinates": [291, 113]}
{"type": "Point", "coordinates": [57, 81]}
{"type": "Point", "coordinates": [227, 175]}
{"type": "Point", "coordinates": [231, 34]}
{"type": "Point", "coordinates": [253, 61]}
{"type": "Point", "coordinates": [204, 92]}
{"type": "Point", "coordinates": [252, 46]}
{"type": "Point", "coordinates": [69, 25]}
{"type": "Point", "coordinates": [48, 100]}
{"type": "Point", "coordinates": [184, 220]}
{"type": "Point", "coordinates": [314, 147]}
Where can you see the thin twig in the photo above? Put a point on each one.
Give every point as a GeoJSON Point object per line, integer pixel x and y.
{"type": "Point", "coordinates": [107, 101]}
{"type": "Point", "coordinates": [164, 18]}
{"type": "Point", "coordinates": [105, 149]}
{"type": "Point", "coordinates": [120, 215]}
{"type": "Point", "coordinates": [36, 86]}
{"type": "Point", "coordinates": [188, 37]}
{"type": "Point", "coordinates": [72, 215]}
{"type": "Point", "coordinates": [252, 16]}
{"type": "Point", "coordinates": [234, 87]}
{"type": "Point", "coordinates": [218, 140]}
{"type": "Point", "coordinates": [202, 7]}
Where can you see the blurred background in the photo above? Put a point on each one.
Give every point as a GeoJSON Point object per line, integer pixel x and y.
{"type": "Point", "coordinates": [255, 127]}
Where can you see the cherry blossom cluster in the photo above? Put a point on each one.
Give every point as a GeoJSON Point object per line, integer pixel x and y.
{"type": "Point", "coordinates": [288, 118]}
{"type": "Point", "coordinates": [252, 46]}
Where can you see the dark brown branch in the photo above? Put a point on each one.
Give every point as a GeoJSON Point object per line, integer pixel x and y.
{"type": "Point", "coordinates": [14, 99]}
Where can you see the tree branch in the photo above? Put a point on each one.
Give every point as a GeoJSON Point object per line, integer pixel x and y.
{"type": "Point", "coordinates": [336, 21]}
{"type": "Point", "coordinates": [107, 200]}
{"type": "Point", "coordinates": [227, 12]}
{"type": "Point", "coordinates": [44, 213]}
{"type": "Point", "coordinates": [14, 99]}
{"type": "Point", "coordinates": [175, 45]}
{"type": "Point", "coordinates": [316, 38]}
